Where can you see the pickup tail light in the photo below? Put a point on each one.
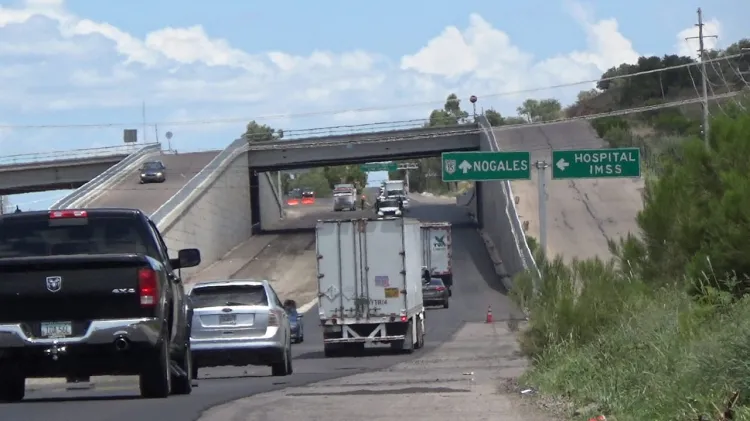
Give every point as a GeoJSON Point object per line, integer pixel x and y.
{"type": "Point", "coordinates": [67, 213]}
{"type": "Point", "coordinates": [148, 287]}
{"type": "Point", "coordinates": [273, 319]}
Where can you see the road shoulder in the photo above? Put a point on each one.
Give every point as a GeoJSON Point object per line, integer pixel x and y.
{"type": "Point", "coordinates": [466, 377]}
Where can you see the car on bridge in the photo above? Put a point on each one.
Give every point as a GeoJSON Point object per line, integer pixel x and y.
{"type": "Point", "coordinates": [92, 292]}
{"type": "Point", "coordinates": [239, 323]}
{"type": "Point", "coordinates": [153, 172]}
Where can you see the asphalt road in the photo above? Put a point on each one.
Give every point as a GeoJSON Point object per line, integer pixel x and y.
{"type": "Point", "coordinates": [581, 214]}
{"type": "Point", "coordinates": [476, 287]}
{"type": "Point", "coordinates": [149, 197]}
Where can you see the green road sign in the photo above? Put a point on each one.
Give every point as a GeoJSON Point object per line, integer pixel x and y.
{"type": "Point", "coordinates": [379, 166]}
{"type": "Point", "coordinates": [596, 163]}
{"type": "Point", "coordinates": [486, 166]}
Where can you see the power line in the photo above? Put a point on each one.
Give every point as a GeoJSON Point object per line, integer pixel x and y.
{"type": "Point", "coordinates": [200, 122]}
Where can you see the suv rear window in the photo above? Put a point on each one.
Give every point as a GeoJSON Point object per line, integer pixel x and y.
{"type": "Point", "coordinates": [28, 237]}
{"type": "Point", "coordinates": [229, 295]}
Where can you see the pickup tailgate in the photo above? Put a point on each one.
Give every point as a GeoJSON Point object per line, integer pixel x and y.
{"type": "Point", "coordinates": [75, 289]}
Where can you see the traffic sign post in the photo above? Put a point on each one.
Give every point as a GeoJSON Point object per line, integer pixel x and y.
{"type": "Point", "coordinates": [379, 166]}
{"type": "Point", "coordinates": [596, 163]}
{"type": "Point", "coordinates": [486, 166]}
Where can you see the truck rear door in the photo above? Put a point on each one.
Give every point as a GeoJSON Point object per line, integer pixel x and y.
{"type": "Point", "coordinates": [437, 247]}
{"type": "Point", "coordinates": [57, 273]}
{"type": "Point", "coordinates": [361, 268]}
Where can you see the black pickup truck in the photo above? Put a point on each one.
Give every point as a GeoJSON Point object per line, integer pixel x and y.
{"type": "Point", "coordinates": [92, 292]}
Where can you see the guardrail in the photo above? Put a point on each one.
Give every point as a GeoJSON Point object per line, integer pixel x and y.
{"type": "Point", "coordinates": [521, 246]}
{"type": "Point", "coordinates": [71, 154]}
{"type": "Point", "coordinates": [197, 180]}
{"type": "Point", "coordinates": [354, 129]}
{"type": "Point", "coordinates": [102, 178]}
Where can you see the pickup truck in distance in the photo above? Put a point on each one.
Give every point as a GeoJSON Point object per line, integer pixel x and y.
{"type": "Point", "coordinates": [88, 293]}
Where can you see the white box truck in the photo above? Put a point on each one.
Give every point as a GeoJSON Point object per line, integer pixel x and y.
{"type": "Point", "coordinates": [397, 188]}
{"type": "Point", "coordinates": [370, 284]}
{"type": "Point", "coordinates": [344, 197]}
{"type": "Point", "coordinates": [437, 251]}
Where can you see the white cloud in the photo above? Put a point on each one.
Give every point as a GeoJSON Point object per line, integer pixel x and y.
{"type": "Point", "coordinates": [482, 53]}
{"type": "Point", "coordinates": [55, 60]}
{"type": "Point", "coordinates": [689, 47]}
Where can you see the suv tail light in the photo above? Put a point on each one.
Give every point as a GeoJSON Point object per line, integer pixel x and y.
{"type": "Point", "coordinates": [273, 318]}
{"type": "Point", "coordinates": [148, 287]}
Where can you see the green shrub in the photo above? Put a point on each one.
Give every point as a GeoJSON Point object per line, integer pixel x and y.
{"type": "Point", "coordinates": [662, 330]}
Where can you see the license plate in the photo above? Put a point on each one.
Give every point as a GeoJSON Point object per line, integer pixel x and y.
{"type": "Point", "coordinates": [57, 329]}
{"type": "Point", "coordinates": [227, 319]}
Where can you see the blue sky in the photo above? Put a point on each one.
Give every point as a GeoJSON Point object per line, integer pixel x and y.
{"type": "Point", "coordinates": [82, 62]}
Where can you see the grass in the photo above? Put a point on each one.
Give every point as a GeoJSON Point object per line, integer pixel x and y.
{"type": "Point", "coordinates": [601, 339]}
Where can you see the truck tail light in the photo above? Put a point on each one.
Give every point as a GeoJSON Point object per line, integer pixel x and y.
{"type": "Point", "coordinates": [67, 213]}
{"type": "Point", "coordinates": [148, 287]}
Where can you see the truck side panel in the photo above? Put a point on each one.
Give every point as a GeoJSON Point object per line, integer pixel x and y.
{"type": "Point", "coordinates": [413, 264]}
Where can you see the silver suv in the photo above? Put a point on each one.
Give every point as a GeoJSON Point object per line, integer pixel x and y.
{"type": "Point", "coordinates": [239, 323]}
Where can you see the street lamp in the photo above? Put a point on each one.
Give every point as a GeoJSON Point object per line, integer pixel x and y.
{"type": "Point", "coordinates": [473, 100]}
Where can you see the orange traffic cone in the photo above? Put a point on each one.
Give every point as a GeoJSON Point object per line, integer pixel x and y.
{"type": "Point", "coordinates": [489, 314]}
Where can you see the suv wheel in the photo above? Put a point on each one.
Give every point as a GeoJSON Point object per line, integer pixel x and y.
{"type": "Point", "coordinates": [283, 367]}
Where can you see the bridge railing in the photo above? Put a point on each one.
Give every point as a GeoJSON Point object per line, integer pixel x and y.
{"type": "Point", "coordinates": [99, 181]}
{"type": "Point", "coordinates": [354, 129]}
{"type": "Point", "coordinates": [71, 154]}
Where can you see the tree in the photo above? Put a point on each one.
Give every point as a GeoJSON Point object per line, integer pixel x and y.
{"type": "Point", "coordinates": [540, 110]}
{"type": "Point", "coordinates": [346, 174]}
{"type": "Point", "coordinates": [314, 179]}
{"type": "Point", "coordinates": [696, 215]}
{"type": "Point", "coordinates": [450, 115]}
{"type": "Point", "coordinates": [494, 118]}
{"type": "Point", "coordinates": [260, 132]}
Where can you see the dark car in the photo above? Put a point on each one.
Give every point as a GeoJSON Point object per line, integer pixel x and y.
{"type": "Point", "coordinates": [92, 292]}
{"type": "Point", "coordinates": [434, 293]}
{"type": "Point", "coordinates": [153, 172]}
{"type": "Point", "coordinates": [295, 321]}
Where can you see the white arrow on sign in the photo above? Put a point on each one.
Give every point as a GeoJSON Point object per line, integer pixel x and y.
{"type": "Point", "coordinates": [562, 164]}
{"type": "Point", "coordinates": [465, 166]}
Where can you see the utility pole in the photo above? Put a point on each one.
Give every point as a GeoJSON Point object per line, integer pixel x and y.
{"type": "Point", "coordinates": [704, 76]}
{"type": "Point", "coordinates": [541, 166]}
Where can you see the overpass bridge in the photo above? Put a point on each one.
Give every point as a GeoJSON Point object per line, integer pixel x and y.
{"type": "Point", "coordinates": [61, 170]}
{"type": "Point", "coordinates": [220, 201]}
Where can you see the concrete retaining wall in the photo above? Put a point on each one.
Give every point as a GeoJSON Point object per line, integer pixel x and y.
{"type": "Point", "coordinates": [271, 205]}
{"type": "Point", "coordinates": [212, 212]}
{"type": "Point", "coordinates": [501, 227]}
